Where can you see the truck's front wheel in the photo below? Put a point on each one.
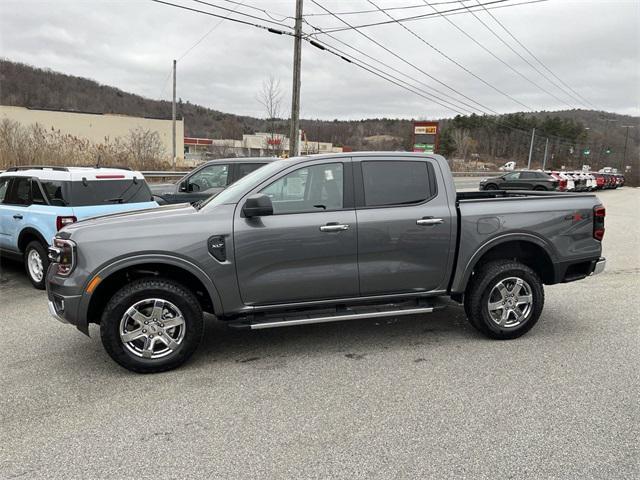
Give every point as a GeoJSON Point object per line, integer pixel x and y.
{"type": "Point", "coordinates": [152, 325]}
{"type": "Point", "coordinates": [504, 299]}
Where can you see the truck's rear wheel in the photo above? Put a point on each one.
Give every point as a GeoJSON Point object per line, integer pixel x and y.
{"type": "Point", "coordinates": [504, 299]}
{"type": "Point", "coordinates": [152, 325]}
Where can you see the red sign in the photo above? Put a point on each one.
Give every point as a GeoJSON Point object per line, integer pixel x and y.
{"type": "Point", "coordinates": [197, 141]}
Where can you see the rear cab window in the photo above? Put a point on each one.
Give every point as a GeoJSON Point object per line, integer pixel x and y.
{"type": "Point", "coordinates": [397, 182]}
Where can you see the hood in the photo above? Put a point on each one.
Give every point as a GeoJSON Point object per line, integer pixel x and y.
{"type": "Point", "coordinates": [157, 216]}
{"type": "Point", "coordinates": [160, 188]}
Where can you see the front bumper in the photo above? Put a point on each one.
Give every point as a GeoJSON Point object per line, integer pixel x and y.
{"type": "Point", "coordinates": [65, 301]}
{"type": "Point", "coordinates": [54, 313]}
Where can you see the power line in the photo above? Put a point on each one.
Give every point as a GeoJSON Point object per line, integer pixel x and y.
{"type": "Point", "coordinates": [379, 73]}
{"type": "Point", "coordinates": [388, 9]}
{"type": "Point", "coordinates": [268, 13]}
{"type": "Point", "coordinates": [235, 20]}
{"type": "Point", "coordinates": [428, 15]}
{"type": "Point", "coordinates": [409, 63]}
{"type": "Point", "coordinates": [218, 23]}
{"type": "Point", "coordinates": [452, 60]}
{"type": "Point", "coordinates": [495, 56]}
{"type": "Point", "coordinates": [534, 56]}
{"type": "Point", "coordinates": [370, 57]}
{"type": "Point", "coordinates": [254, 17]}
{"type": "Point", "coordinates": [522, 58]}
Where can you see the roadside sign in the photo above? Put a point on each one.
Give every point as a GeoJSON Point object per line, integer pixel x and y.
{"type": "Point", "coordinates": [586, 152]}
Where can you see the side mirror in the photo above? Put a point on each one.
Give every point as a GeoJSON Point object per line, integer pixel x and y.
{"type": "Point", "coordinates": [257, 206]}
{"type": "Point", "coordinates": [183, 186]}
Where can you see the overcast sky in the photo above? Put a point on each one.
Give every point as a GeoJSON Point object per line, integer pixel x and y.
{"type": "Point", "coordinates": [593, 46]}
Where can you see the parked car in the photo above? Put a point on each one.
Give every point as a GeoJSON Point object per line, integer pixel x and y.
{"type": "Point", "coordinates": [521, 180]}
{"type": "Point", "coordinates": [36, 202]}
{"type": "Point", "coordinates": [320, 239]}
{"type": "Point", "coordinates": [563, 184]}
{"type": "Point", "coordinates": [600, 181]}
{"type": "Point", "coordinates": [208, 179]}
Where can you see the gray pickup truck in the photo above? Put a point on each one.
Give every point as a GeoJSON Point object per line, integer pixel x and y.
{"type": "Point", "coordinates": [320, 239]}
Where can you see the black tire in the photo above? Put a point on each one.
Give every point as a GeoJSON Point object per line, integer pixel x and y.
{"type": "Point", "coordinates": [138, 291]}
{"type": "Point", "coordinates": [481, 286]}
{"type": "Point", "coordinates": [41, 251]}
{"type": "Point", "coordinates": [540, 188]}
{"type": "Point", "coordinates": [491, 186]}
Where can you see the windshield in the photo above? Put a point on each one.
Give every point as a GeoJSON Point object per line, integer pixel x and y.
{"type": "Point", "coordinates": [233, 192]}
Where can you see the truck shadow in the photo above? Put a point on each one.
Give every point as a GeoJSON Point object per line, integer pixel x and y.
{"type": "Point", "coordinates": [354, 339]}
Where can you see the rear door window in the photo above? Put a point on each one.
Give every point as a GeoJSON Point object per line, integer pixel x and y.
{"type": "Point", "coordinates": [396, 182]}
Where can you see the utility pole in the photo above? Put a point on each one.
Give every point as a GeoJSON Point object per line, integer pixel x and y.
{"type": "Point", "coordinates": [546, 147]}
{"type": "Point", "coordinates": [294, 136]}
{"type": "Point", "coordinates": [533, 136]}
{"type": "Point", "coordinates": [626, 141]}
{"type": "Point", "coordinates": [173, 118]}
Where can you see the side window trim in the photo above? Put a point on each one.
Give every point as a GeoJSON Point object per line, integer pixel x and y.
{"type": "Point", "coordinates": [35, 183]}
{"type": "Point", "coordinates": [358, 178]}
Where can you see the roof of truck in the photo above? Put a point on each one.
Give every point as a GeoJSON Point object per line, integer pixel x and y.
{"type": "Point", "coordinates": [74, 174]}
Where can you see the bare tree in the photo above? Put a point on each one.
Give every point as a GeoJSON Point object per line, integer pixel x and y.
{"type": "Point", "coordinates": [270, 97]}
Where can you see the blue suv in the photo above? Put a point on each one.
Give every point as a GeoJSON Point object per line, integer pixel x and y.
{"type": "Point", "coordinates": [36, 202]}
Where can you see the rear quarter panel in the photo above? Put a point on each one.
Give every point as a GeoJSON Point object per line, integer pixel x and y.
{"type": "Point", "coordinates": [562, 224]}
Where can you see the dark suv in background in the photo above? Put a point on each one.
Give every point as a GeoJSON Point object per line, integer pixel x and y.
{"type": "Point", "coordinates": [207, 179]}
{"type": "Point", "coordinates": [521, 180]}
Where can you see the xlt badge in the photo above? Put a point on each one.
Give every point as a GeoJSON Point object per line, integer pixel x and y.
{"type": "Point", "coordinates": [217, 247]}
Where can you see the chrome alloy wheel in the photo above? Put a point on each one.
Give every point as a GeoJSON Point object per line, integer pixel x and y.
{"type": "Point", "coordinates": [510, 302]}
{"type": "Point", "coordinates": [152, 328]}
{"type": "Point", "coordinates": [34, 263]}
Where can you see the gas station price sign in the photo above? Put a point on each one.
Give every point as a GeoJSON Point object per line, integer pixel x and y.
{"type": "Point", "coordinates": [426, 136]}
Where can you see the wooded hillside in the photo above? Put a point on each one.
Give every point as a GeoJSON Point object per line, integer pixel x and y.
{"type": "Point", "coordinates": [471, 138]}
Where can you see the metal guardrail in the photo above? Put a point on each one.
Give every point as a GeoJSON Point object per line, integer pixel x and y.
{"type": "Point", "coordinates": [171, 174]}
{"type": "Point", "coordinates": [174, 174]}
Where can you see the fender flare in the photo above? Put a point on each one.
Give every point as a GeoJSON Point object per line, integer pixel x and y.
{"type": "Point", "coordinates": [139, 259]}
{"type": "Point", "coordinates": [30, 231]}
{"type": "Point", "coordinates": [460, 282]}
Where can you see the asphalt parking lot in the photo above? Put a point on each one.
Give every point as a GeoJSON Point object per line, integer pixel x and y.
{"type": "Point", "coordinates": [416, 397]}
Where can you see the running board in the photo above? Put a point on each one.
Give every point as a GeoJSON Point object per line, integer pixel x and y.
{"type": "Point", "coordinates": [335, 317]}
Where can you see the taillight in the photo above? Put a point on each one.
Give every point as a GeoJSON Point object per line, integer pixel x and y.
{"type": "Point", "coordinates": [63, 256]}
{"type": "Point", "coordinates": [598, 222]}
{"type": "Point", "coordinates": [64, 221]}
{"type": "Point", "coordinates": [563, 185]}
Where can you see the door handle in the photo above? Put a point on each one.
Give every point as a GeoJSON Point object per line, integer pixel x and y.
{"type": "Point", "coordinates": [17, 216]}
{"type": "Point", "coordinates": [425, 222]}
{"type": "Point", "coordinates": [334, 227]}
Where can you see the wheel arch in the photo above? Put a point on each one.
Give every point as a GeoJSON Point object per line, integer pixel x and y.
{"type": "Point", "coordinates": [27, 235]}
{"type": "Point", "coordinates": [115, 275]}
{"type": "Point", "coordinates": [528, 249]}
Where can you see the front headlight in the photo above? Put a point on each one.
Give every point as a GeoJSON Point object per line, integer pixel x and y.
{"type": "Point", "coordinates": [63, 255]}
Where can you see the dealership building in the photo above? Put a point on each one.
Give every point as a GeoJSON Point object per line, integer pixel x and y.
{"type": "Point", "coordinates": [96, 127]}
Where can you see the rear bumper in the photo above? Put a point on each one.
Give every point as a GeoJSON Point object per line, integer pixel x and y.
{"type": "Point", "coordinates": [599, 266]}
{"type": "Point", "coordinates": [578, 269]}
